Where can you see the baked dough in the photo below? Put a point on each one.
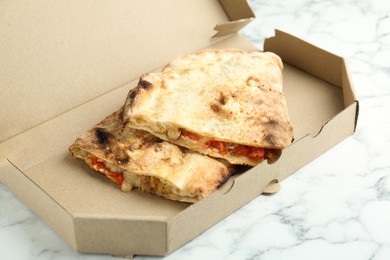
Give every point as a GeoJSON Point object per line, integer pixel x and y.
{"type": "Point", "coordinates": [224, 103]}
{"type": "Point", "coordinates": [136, 159]}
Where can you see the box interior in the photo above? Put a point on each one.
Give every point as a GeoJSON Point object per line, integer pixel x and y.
{"type": "Point", "coordinates": [90, 198]}
{"type": "Point", "coordinates": [83, 84]}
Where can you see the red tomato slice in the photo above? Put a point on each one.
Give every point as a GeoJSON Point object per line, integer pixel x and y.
{"type": "Point", "coordinates": [190, 135]}
{"type": "Point", "coordinates": [220, 146]}
{"type": "Point", "coordinates": [97, 163]}
{"type": "Point", "coordinates": [255, 153]}
{"type": "Point", "coordinates": [117, 176]}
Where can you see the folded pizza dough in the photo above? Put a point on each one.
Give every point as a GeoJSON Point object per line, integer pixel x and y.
{"type": "Point", "coordinates": [136, 159]}
{"type": "Point", "coordinates": [220, 102]}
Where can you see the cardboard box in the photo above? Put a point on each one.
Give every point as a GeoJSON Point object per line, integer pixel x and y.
{"type": "Point", "coordinates": [64, 66]}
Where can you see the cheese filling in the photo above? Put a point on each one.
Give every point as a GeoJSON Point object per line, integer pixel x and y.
{"type": "Point", "coordinates": [194, 141]}
{"type": "Point", "coordinates": [225, 148]}
{"type": "Point", "coordinates": [128, 180]}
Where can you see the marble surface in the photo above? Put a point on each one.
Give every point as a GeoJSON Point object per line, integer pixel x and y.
{"type": "Point", "coordinates": [337, 207]}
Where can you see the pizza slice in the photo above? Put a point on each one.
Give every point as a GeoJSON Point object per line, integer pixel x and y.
{"type": "Point", "coordinates": [136, 159]}
{"type": "Point", "coordinates": [224, 103]}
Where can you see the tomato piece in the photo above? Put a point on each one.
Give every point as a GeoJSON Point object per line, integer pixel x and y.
{"type": "Point", "coordinates": [97, 163]}
{"type": "Point", "coordinates": [120, 178]}
{"type": "Point", "coordinates": [117, 176]}
{"type": "Point", "coordinates": [219, 145]}
{"type": "Point", "coordinates": [190, 135]}
{"type": "Point", "coordinates": [255, 153]}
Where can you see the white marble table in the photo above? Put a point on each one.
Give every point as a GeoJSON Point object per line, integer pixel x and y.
{"type": "Point", "coordinates": [337, 207]}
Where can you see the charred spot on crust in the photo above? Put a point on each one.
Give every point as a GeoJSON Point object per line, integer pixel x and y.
{"type": "Point", "coordinates": [270, 138]}
{"type": "Point", "coordinates": [272, 123]}
{"type": "Point", "coordinates": [144, 84]}
{"type": "Point", "coordinates": [218, 109]}
{"type": "Point", "coordinates": [222, 98]}
{"type": "Point", "coordinates": [130, 98]}
{"type": "Point", "coordinates": [132, 94]}
{"type": "Point", "coordinates": [102, 136]}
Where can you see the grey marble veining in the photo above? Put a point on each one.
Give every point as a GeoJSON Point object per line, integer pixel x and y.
{"type": "Point", "coordinates": [337, 207]}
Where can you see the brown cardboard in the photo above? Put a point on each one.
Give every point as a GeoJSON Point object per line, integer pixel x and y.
{"type": "Point", "coordinates": [87, 49]}
{"type": "Point", "coordinates": [85, 208]}
{"type": "Point", "coordinates": [239, 14]}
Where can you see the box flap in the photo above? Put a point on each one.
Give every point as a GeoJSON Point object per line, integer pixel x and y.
{"type": "Point", "coordinates": [239, 13]}
{"type": "Point", "coordinates": [316, 61]}
{"type": "Point", "coordinates": [56, 55]}
{"type": "Point", "coordinates": [308, 57]}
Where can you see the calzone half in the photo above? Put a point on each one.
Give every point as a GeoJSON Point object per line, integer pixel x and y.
{"type": "Point", "coordinates": [224, 103]}
{"type": "Point", "coordinates": [136, 159]}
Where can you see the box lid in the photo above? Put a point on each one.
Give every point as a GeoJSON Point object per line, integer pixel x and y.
{"type": "Point", "coordinates": [56, 55]}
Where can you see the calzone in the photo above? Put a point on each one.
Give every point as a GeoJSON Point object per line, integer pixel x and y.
{"type": "Point", "coordinates": [136, 159]}
{"type": "Point", "coordinates": [224, 103]}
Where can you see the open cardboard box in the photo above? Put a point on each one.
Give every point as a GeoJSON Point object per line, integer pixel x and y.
{"type": "Point", "coordinates": [66, 65]}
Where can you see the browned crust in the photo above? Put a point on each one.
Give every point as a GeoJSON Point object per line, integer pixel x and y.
{"type": "Point", "coordinates": [142, 153]}
{"type": "Point", "coordinates": [261, 121]}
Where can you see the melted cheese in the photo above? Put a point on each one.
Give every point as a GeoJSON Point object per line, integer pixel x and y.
{"type": "Point", "coordinates": [131, 180]}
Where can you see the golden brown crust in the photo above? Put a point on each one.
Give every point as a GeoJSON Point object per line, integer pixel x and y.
{"type": "Point", "coordinates": [163, 167]}
{"type": "Point", "coordinates": [223, 94]}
